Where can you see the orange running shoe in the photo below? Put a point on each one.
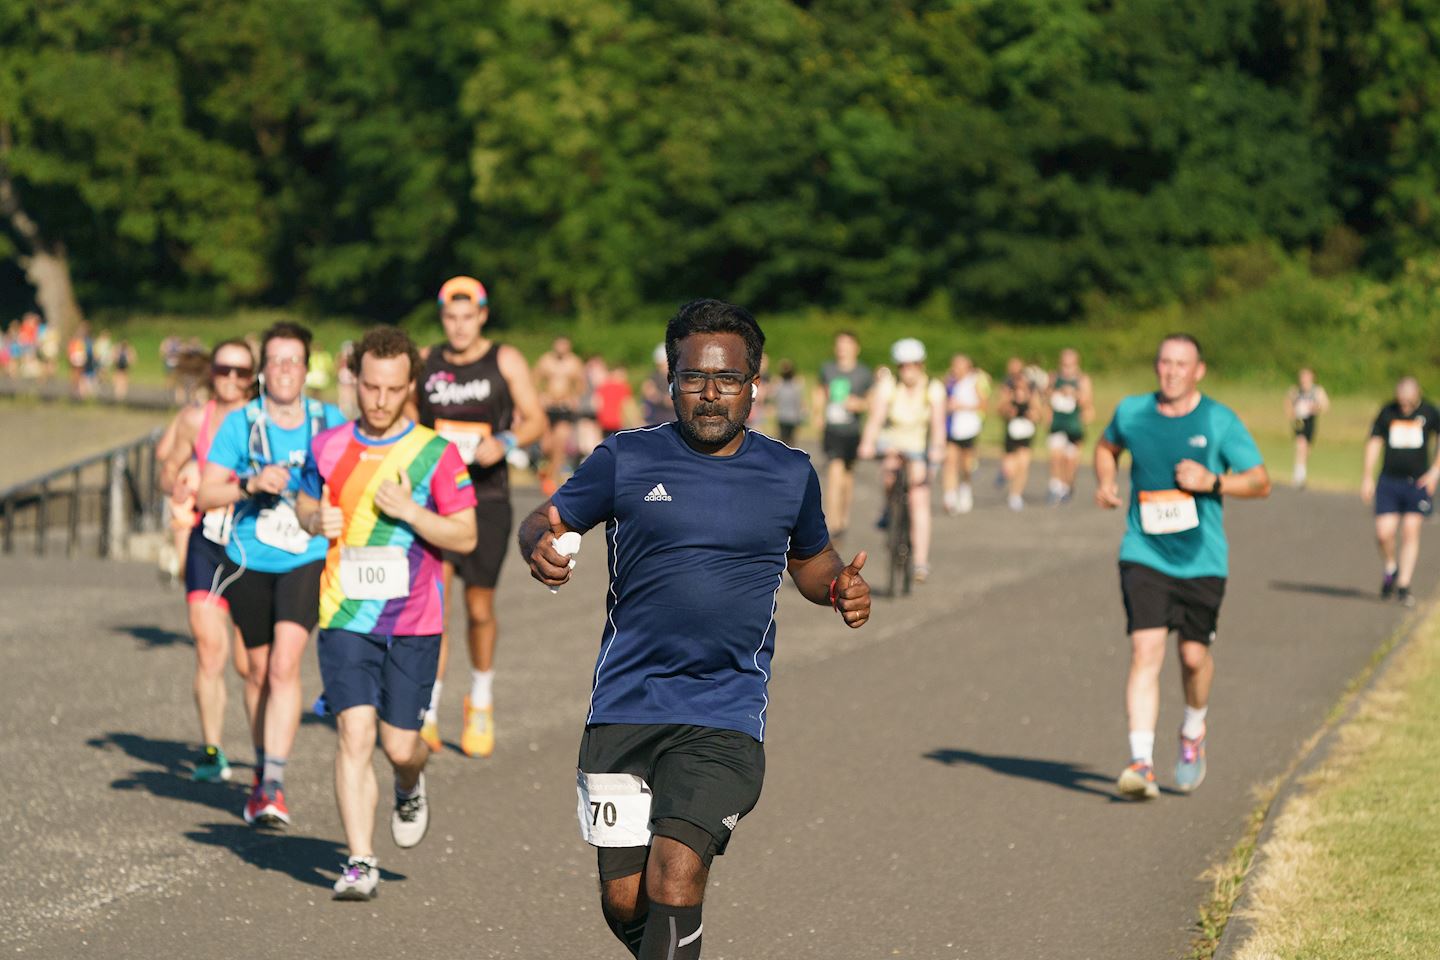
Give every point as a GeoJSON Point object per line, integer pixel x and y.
{"type": "Point", "coordinates": [430, 733]}
{"type": "Point", "coordinates": [478, 737]}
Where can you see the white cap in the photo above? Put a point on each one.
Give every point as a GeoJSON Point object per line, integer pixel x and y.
{"type": "Point", "coordinates": [908, 350]}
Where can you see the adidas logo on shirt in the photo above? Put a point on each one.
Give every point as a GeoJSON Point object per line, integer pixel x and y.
{"type": "Point", "coordinates": [658, 494]}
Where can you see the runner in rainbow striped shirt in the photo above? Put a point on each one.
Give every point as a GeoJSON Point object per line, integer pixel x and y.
{"type": "Point", "coordinates": [390, 495]}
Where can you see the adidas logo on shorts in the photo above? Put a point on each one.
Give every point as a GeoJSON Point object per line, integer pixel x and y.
{"type": "Point", "coordinates": [731, 820]}
{"type": "Point", "coordinates": [658, 494]}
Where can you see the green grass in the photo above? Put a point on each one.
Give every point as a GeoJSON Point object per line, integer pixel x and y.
{"type": "Point", "coordinates": [1353, 869]}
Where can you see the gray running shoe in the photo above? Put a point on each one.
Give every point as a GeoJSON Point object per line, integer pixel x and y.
{"type": "Point", "coordinates": [1138, 782]}
{"type": "Point", "coordinates": [360, 880]}
{"type": "Point", "coordinates": [411, 817]}
{"type": "Point", "coordinates": [1190, 768]}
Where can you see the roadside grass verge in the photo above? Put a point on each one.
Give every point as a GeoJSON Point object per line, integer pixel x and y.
{"type": "Point", "coordinates": [1351, 870]}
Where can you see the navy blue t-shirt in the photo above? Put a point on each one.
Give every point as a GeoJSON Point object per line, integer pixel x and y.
{"type": "Point", "coordinates": [697, 552]}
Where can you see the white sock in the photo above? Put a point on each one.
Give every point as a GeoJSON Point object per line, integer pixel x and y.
{"type": "Point", "coordinates": [964, 488]}
{"type": "Point", "coordinates": [1391, 568]}
{"type": "Point", "coordinates": [435, 696]}
{"type": "Point", "coordinates": [480, 681]}
{"type": "Point", "coordinates": [1056, 486]}
{"type": "Point", "coordinates": [1299, 475]}
{"type": "Point", "coordinates": [1194, 724]}
{"type": "Point", "coordinates": [1142, 745]}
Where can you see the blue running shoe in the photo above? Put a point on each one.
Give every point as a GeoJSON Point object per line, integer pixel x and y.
{"type": "Point", "coordinates": [1190, 768]}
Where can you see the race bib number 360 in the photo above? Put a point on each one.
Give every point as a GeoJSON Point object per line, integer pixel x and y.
{"type": "Point", "coordinates": [1167, 511]}
{"type": "Point", "coordinates": [614, 809]}
{"type": "Point", "coordinates": [374, 573]}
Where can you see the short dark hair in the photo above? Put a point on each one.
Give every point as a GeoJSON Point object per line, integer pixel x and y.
{"type": "Point", "coordinates": [382, 343]}
{"type": "Point", "coordinates": [1183, 338]}
{"type": "Point", "coordinates": [714, 316]}
{"type": "Point", "coordinates": [286, 330]}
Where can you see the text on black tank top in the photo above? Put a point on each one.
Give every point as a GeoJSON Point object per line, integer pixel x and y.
{"type": "Point", "coordinates": [453, 397]}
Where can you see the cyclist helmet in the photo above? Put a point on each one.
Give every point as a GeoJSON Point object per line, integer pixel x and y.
{"type": "Point", "coordinates": [908, 350]}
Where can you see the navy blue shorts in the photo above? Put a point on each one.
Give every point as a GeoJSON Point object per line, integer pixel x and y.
{"type": "Point", "coordinates": [1401, 495]}
{"type": "Point", "coordinates": [203, 560]}
{"type": "Point", "coordinates": [392, 674]}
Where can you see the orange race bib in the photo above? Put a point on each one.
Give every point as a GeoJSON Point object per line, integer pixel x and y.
{"type": "Point", "coordinates": [1167, 511]}
{"type": "Point", "coordinates": [466, 435]}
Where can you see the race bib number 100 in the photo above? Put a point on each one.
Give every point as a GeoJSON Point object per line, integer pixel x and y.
{"type": "Point", "coordinates": [1167, 511]}
{"type": "Point", "coordinates": [614, 809]}
{"type": "Point", "coordinates": [374, 573]}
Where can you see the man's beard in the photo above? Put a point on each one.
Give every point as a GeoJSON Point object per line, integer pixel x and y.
{"type": "Point", "coordinates": [716, 435]}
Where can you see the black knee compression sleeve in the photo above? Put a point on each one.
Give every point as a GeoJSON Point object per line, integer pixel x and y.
{"type": "Point", "coordinates": [671, 933]}
{"type": "Point", "coordinates": [628, 932]}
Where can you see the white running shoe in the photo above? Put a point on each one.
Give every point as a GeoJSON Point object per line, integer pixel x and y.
{"type": "Point", "coordinates": [411, 818]}
{"type": "Point", "coordinates": [360, 880]}
{"type": "Point", "coordinates": [952, 502]}
{"type": "Point", "coordinates": [964, 499]}
{"type": "Point", "coordinates": [1017, 502]}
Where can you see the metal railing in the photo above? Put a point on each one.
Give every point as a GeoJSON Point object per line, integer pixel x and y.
{"type": "Point", "coordinates": [101, 499]}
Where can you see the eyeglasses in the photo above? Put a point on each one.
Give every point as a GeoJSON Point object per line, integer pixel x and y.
{"type": "Point", "coordinates": [284, 362]}
{"type": "Point", "coordinates": [693, 381]}
{"type": "Point", "coordinates": [222, 370]}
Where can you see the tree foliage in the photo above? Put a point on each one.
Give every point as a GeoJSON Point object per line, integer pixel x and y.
{"type": "Point", "coordinates": [1025, 157]}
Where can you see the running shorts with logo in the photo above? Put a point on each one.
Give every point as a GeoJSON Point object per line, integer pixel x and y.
{"type": "Point", "coordinates": [1408, 439]}
{"type": "Point", "coordinates": [1188, 605]}
{"type": "Point", "coordinates": [272, 568]}
{"type": "Point", "coordinates": [690, 783]}
{"type": "Point", "coordinates": [204, 569]}
{"type": "Point", "coordinates": [382, 600]}
{"type": "Point", "coordinates": [1177, 533]}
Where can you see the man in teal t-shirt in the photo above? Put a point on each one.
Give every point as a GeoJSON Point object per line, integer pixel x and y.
{"type": "Point", "coordinates": [1187, 452]}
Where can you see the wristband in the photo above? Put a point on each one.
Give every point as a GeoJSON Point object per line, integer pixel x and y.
{"type": "Point", "coordinates": [835, 594]}
{"type": "Point", "coordinates": [1215, 490]}
{"type": "Point", "coordinates": [507, 439]}
{"type": "Point", "coordinates": [245, 493]}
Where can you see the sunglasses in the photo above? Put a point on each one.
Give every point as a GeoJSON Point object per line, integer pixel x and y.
{"type": "Point", "coordinates": [223, 370]}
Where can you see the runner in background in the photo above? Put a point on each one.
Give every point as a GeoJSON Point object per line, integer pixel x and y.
{"type": "Point", "coordinates": [477, 394]}
{"type": "Point", "coordinates": [615, 402]}
{"type": "Point", "coordinates": [184, 450]}
{"type": "Point", "coordinates": [1405, 492]}
{"type": "Point", "coordinates": [967, 391]}
{"type": "Point", "coordinates": [587, 427]}
{"type": "Point", "coordinates": [1304, 401]}
{"type": "Point", "coordinates": [1020, 408]}
{"type": "Point", "coordinates": [1072, 407]}
{"type": "Point", "coordinates": [788, 396]}
{"type": "Point", "coordinates": [841, 399]}
{"type": "Point", "coordinates": [657, 404]}
{"type": "Point", "coordinates": [560, 379]}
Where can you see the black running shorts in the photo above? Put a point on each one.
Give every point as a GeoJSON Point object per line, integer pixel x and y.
{"type": "Point", "coordinates": [702, 781]}
{"type": "Point", "coordinates": [1190, 606]}
{"type": "Point", "coordinates": [841, 445]}
{"type": "Point", "coordinates": [481, 566]}
{"type": "Point", "coordinates": [258, 600]}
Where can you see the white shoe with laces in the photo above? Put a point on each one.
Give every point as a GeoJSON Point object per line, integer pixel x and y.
{"type": "Point", "coordinates": [359, 880]}
{"type": "Point", "coordinates": [411, 817]}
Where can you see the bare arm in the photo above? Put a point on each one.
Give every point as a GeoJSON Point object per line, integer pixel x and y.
{"type": "Point", "coordinates": [1107, 468]}
{"type": "Point", "coordinates": [537, 545]}
{"type": "Point", "coordinates": [937, 429]}
{"type": "Point", "coordinates": [815, 575]}
{"type": "Point", "coordinates": [1252, 484]}
{"type": "Point", "coordinates": [1373, 448]}
{"type": "Point", "coordinates": [1087, 400]}
{"type": "Point", "coordinates": [176, 447]}
{"type": "Point", "coordinates": [532, 420]}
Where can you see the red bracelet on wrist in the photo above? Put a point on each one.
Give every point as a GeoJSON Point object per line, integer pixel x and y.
{"type": "Point", "coordinates": [835, 594]}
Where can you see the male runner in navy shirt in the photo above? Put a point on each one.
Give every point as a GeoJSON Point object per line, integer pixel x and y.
{"type": "Point", "coordinates": [702, 519]}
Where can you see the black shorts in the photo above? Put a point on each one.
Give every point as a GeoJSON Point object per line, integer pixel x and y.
{"type": "Point", "coordinates": [703, 780]}
{"type": "Point", "coordinates": [258, 600]}
{"type": "Point", "coordinates": [1011, 444]}
{"type": "Point", "coordinates": [561, 415]}
{"type": "Point", "coordinates": [1401, 495]}
{"type": "Point", "coordinates": [841, 445]}
{"type": "Point", "coordinates": [481, 566]}
{"type": "Point", "coordinates": [967, 444]}
{"type": "Point", "coordinates": [204, 563]}
{"type": "Point", "coordinates": [1305, 428]}
{"type": "Point", "coordinates": [1190, 605]}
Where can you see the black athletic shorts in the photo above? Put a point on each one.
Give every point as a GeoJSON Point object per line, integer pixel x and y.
{"type": "Point", "coordinates": [258, 600]}
{"type": "Point", "coordinates": [1190, 605]}
{"type": "Point", "coordinates": [561, 415]}
{"type": "Point", "coordinates": [1305, 427]}
{"type": "Point", "coordinates": [841, 445]}
{"type": "Point", "coordinates": [481, 566]}
{"type": "Point", "coordinates": [967, 444]}
{"type": "Point", "coordinates": [1011, 444]}
{"type": "Point", "coordinates": [703, 780]}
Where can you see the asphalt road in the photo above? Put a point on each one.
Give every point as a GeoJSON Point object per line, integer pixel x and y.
{"type": "Point", "coordinates": [939, 783]}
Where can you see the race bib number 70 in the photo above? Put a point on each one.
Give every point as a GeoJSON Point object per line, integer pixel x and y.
{"type": "Point", "coordinates": [614, 809]}
{"type": "Point", "coordinates": [1167, 511]}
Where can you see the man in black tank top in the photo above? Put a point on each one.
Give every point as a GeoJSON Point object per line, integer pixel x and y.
{"type": "Point", "coordinates": [477, 394]}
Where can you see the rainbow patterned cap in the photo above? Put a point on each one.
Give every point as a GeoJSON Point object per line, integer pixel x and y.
{"type": "Point", "coordinates": [463, 286]}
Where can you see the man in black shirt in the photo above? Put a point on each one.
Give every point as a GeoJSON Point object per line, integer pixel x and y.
{"type": "Point", "coordinates": [1408, 474]}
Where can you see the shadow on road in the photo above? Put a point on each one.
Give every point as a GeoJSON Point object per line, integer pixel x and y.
{"type": "Point", "coordinates": [1066, 775]}
{"type": "Point", "coordinates": [1325, 590]}
{"type": "Point", "coordinates": [172, 781]}
{"type": "Point", "coordinates": [295, 856]}
{"type": "Point", "coordinates": [151, 636]}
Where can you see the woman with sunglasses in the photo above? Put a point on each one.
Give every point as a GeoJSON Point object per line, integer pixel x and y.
{"type": "Point", "coordinates": [184, 451]}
